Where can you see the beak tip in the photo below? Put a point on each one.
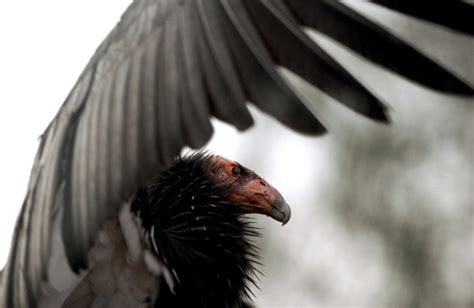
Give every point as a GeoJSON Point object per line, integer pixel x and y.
{"type": "Point", "coordinates": [281, 212]}
{"type": "Point", "coordinates": [287, 217]}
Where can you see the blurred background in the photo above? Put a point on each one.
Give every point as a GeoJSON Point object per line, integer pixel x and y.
{"type": "Point", "coordinates": [382, 216]}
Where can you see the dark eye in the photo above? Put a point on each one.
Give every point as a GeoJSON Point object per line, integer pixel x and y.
{"type": "Point", "coordinates": [235, 170]}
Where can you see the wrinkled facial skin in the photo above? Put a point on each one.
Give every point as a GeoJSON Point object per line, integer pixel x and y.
{"type": "Point", "coordinates": [249, 190]}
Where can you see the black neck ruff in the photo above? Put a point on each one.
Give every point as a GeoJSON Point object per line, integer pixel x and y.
{"type": "Point", "coordinates": [202, 238]}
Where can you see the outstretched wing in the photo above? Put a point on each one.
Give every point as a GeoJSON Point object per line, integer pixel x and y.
{"type": "Point", "coordinates": [152, 87]}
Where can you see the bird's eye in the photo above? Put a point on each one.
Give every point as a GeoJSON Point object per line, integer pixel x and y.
{"type": "Point", "coordinates": [235, 170]}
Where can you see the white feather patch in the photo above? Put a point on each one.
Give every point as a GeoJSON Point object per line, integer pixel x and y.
{"type": "Point", "coordinates": [131, 233]}
{"type": "Point", "coordinates": [123, 272]}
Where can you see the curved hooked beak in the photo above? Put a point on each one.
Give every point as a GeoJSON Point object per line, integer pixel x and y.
{"type": "Point", "coordinates": [281, 212]}
{"type": "Point", "coordinates": [258, 196]}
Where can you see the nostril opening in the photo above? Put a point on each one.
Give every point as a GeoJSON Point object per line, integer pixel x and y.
{"type": "Point", "coordinates": [262, 183]}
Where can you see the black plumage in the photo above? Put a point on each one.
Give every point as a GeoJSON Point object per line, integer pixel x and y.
{"type": "Point", "coordinates": [202, 237]}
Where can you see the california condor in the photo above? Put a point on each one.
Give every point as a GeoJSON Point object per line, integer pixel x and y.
{"type": "Point", "coordinates": [180, 241]}
{"type": "Point", "coordinates": [152, 86]}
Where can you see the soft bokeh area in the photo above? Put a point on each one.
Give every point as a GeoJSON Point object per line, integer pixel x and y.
{"type": "Point", "coordinates": [382, 216]}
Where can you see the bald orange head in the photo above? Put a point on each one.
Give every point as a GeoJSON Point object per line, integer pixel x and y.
{"type": "Point", "coordinates": [249, 190]}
